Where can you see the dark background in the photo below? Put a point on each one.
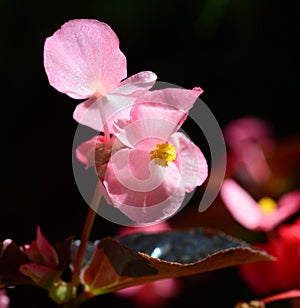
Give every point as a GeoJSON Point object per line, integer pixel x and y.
{"type": "Point", "coordinates": [244, 54]}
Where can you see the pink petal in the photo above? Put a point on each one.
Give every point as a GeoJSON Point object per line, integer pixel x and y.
{"type": "Point", "coordinates": [241, 205]}
{"type": "Point", "coordinates": [163, 226]}
{"type": "Point", "coordinates": [144, 133]}
{"type": "Point", "coordinates": [83, 58]}
{"type": "Point", "coordinates": [171, 104]}
{"type": "Point", "coordinates": [288, 205]}
{"type": "Point", "coordinates": [176, 98]}
{"type": "Point", "coordinates": [194, 169]}
{"type": "Point", "coordinates": [115, 105]}
{"type": "Point", "coordinates": [85, 152]}
{"type": "Point", "coordinates": [281, 296]}
{"type": "Point", "coordinates": [143, 191]}
{"type": "Point", "coordinates": [89, 112]}
{"type": "Point", "coordinates": [136, 84]}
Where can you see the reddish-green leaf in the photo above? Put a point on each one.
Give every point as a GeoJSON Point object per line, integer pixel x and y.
{"type": "Point", "coordinates": [132, 260]}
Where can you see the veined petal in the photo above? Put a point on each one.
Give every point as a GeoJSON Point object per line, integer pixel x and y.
{"type": "Point", "coordinates": [170, 99]}
{"type": "Point", "coordinates": [136, 84]}
{"type": "Point", "coordinates": [83, 58]}
{"type": "Point", "coordinates": [241, 205]}
{"type": "Point", "coordinates": [193, 165]}
{"type": "Point", "coordinates": [85, 152]}
{"type": "Point", "coordinates": [144, 133]}
{"type": "Point", "coordinates": [112, 107]}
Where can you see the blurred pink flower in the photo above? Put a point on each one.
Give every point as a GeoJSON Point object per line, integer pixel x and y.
{"type": "Point", "coordinates": [263, 215]}
{"type": "Point", "coordinates": [83, 60]}
{"type": "Point", "coordinates": [283, 273]}
{"type": "Point", "coordinates": [4, 299]}
{"type": "Point", "coordinates": [154, 294]}
{"type": "Point", "coordinates": [247, 139]}
{"type": "Point", "coordinates": [147, 179]}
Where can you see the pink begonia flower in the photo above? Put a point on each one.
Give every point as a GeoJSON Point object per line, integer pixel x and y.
{"type": "Point", "coordinates": [83, 60]}
{"type": "Point", "coordinates": [148, 178]}
{"type": "Point", "coordinates": [157, 293]}
{"type": "Point", "coordinates": [4, 299]}
{"type": "Point", "coordinates": [263, 215]}
{"type": "Point", "coordinates": [247, 138]}
{"type": "Point", "coordinates": [283, 273]}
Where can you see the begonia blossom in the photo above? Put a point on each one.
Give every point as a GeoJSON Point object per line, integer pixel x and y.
{"type": "Point", "coordinates": [283, 273]}
{"type": "Point", "coordinates": [248, 139]}
{"type": "Point", "coordinates": [262, 215]}
{"type": "Point", "coordinates": [83, 60]}
{"type": "Point", "coordinates": [148, 178]}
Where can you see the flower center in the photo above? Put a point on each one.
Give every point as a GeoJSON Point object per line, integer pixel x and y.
{"type": "Point", "coordinates": [163, 154]}
{"type": "Point", "coordinates": [267, 205]}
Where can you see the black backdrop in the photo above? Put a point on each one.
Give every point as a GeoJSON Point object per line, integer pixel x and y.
{"type": "Point", "coordinates": [244, 54]}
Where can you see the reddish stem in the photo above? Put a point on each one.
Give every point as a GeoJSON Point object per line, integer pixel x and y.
{"type": "Point", "coordinates": [89, 221]}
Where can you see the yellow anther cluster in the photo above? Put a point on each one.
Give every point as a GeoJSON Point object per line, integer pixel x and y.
{"type": "Point", "coordinates": [267, 205]}
{"type": "Point", "coordinates": [163, 154]}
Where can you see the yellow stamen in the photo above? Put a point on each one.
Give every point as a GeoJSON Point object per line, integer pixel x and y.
{"type": "Point", "coordinates": [267, 205]}
{"type": "Point", "coordinates": [163, 154]}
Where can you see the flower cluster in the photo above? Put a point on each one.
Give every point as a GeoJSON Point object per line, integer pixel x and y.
{"type": "Point", "coordinates": [144, 164]}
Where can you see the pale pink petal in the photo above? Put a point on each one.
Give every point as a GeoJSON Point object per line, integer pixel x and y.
{"type": "Point", "coordinates": [85, 152]}
{"type": "Point", "coordinates": [177, 98]}
{"type": "Point", "coordinates": [163, 226]}
{"type": "Point", "coordinates": [145, 132]}
{"type": "Point", "coordinates": [170, 104]}
{"type": "Point", "coordinates": [193, 165]}
{"type": "Point", "coordinates": [241, 205]}
{"type": "Point", "coordinates": [115, 105]}
{"type": "Point", "coordinates": [83, 58]}
{"type": "Point", "coordinates": [104, 110]}
{"type": "Point", "coordinates": [136, 84]}
{"type": "Point", "coordinates": [143, 199]}
{"type": "Point", "coordinates": [288, 205]}
{"type": "Point", "coordinates": [129, 292]}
